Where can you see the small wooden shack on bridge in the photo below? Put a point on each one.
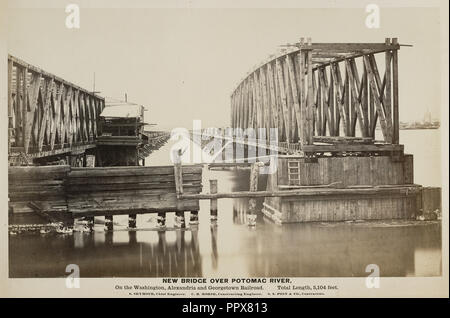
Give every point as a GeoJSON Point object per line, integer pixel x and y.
{"type": "Point", "coordinates": [124, 140]}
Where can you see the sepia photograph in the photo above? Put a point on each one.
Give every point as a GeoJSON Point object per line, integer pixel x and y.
{"type": "Point", "coordinates": [225, 147]}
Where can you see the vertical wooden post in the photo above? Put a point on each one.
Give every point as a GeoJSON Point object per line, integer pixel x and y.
{"type": "Point", "coordinates": [213, 203]}
{"type": "Point", "coordinates": [178, 172]}
{"type": "Point", "coordinates": [232, 111]}
{"type": "Point", "coordinates": [365, 101]}
{"type": "Point", "coordinates": [387, 100]}
{"type": "Point", "coordinates": [24, 106]}
{"type": "Point", "coordinates": [193, 219]}
{"type": "Point", "coordinates": [303, 128]}
{"type": "Point", "coordinates": [310, 96]}
{"type": "Point", "coordinates": [90, 222]}
{"type": "Point", "coordinates": [161, 219]}
{"type": "Point", "coordinates": [132, 221]}
{"type": "Point", "coordinates": [254, 175]}
{"type": "Point", "coordinates": [18, 104]}
{"type": "Point", "coordinates": [179, 219]}
{"type": "Point", "coordinates": [109, 225]}
{"type": "Point", "coordinates": [10, 104]}
{"type": "Point", "coordinates": [395, 139]}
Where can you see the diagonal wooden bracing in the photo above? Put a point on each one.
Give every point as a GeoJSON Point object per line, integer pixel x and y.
{"type": "Point", "coordinates": [317, 92]}
{"type": "Point", "coordinates": [48, 115]}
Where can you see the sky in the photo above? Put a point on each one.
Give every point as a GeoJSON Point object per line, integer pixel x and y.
{"type": "Point", "coordinates": [183, 64]}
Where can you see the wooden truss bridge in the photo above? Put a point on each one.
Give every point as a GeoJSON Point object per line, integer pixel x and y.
{"type": "Point", "coordinates": [324, 97]}
{"type": "Point", "coordinates": [51, 120]}
{"type": "Point", "coordinates": [48, 115]}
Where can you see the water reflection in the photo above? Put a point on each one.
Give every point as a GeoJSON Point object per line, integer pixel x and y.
{"type": "Point", "coordinates": [100, 255]}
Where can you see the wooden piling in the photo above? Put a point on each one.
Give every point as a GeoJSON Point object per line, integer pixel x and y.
{"type": "Point", "coordinates": [90, 222]}
{"type": "Point", "coordinates": [193, 220]}
{"type": "Point", "coordinates": [179, 219]}
{"type": "Point", "coordinates": [161, 221]}
{"type": "Point", "coordinates": [109, 225]}
{"type": "Point", "coordinates": [178, 172]}
{"type": "Point", "coordinates": [132, 221]}
{"type": "Point", "coordinates": [213, 204]}
{"type": "Point", "coordinates": [254, 175]}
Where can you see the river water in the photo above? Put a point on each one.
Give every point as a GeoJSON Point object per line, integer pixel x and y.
{"type": "Point", "coordinates": [232, 249]}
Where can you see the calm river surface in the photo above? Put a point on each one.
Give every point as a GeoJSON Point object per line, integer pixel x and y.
{"type": "Point", "coordinates": [232, 249]}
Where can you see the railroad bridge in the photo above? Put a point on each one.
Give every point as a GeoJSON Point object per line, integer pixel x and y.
{"type": "Point", "coordinates": [53, 121]}
{"type": "Point", "coordinates": [324, 97]}
{"type": "Point", "coordinates": [325, 100]}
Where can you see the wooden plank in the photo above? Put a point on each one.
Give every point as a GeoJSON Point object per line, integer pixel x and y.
{"type": "Point", "coordinates": [10, 103]}
{"type": "Point", "coordinates": [24, 103]}
{"type": "Point", "coordinates": [273, 101]}
{"type": "Point", "coordinates": [347, 47]}
{"type": "Point", "coordinates": [351, 147]}
{"type": "Point", "coordinates": [18, 109]}
{"type": "Point", "coordinates": [348, 112]}
{"type": "Point", "coordinates": [246, 104]}
{"type": "Point", "coordinates": [303, 128]}
{"type": "Point", "coordinates": [130, 171]}
{"type": "Point", "coordinates": [396, 127]}
{"type": "Point", "coordinates": [391, 190]}
{"type": "Point", "coordinates": [188, 177]}
{"type": "Point", "coordinates": [289, 100]}
{"type": "Point", "coordinates": [254, 104]}
{"type": "Point", "coordinates": [65, 123]}
{"type": "Point", "coordinates": [387, 91]}
{"type": "Point", "coordinates": [310, 100]}
{"type": "Point", "coordinates": [178, 173]}
{"type": "Point", "coordinates": [365, 99]}
{"type": "Point", "coordinates": [282, 94]}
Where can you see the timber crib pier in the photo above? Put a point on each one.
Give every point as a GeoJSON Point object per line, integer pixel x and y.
{"type": "Point", "coordinates": [63, 193]}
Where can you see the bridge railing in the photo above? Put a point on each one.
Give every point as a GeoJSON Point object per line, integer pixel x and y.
{"type": "Point", "coordinates": [324, 94]}
{"type": "Point", "coordinates": [48, 115]}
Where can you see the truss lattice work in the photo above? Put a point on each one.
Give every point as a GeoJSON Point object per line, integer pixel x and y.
{"type": "Point", "coordinates": [47, 114]}
{"type": "Point", "coordinates": [324, 96]}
